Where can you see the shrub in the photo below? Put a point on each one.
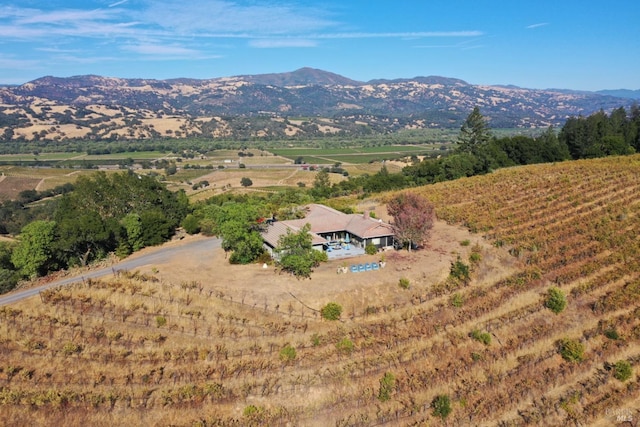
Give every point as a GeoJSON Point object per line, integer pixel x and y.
{"type": "Point", "coordinates": [264, 258]}
{"type": "Point", "coordinates": [387, 385]}
{"type": "Point", "coordinates": [191, 224]}
{"type": "Point", "coordinates": [316, 340]}
{"type": "Point", "coordinates": [161, 321]}
{"type": "Point", "coordinates": [622, 370]}
{"type": "Point", "coordinates": [251, 411]}
{"type": "Point", "coordinates": [483, 337]}
{"type": "Point", "coordinates": [475, 258]}
{"type": "Point", "coordinates": [371, 249]}
{"type": "Point", "coordinates": [457, 300]}
{"type": "Point", "coordinates": [331, 311]}
{"type": "Point", "coordinates": [465, 242]}
{"type": "Point", "coordinates": [459, 270]}
{"type": "Point", "coordinates": [345, 346]}
{"type": "Point", "coordinates": [612, 334]}
{"type": "Point", "coordinates": [556, 300]}
{"type": "Point", "coordinates": [288, 354]}
{"type": "Point", "coordinates": [571, 350]}
{"type": "Point", "coordinates": [70, 348]}
{"type": "Point", "coordinates": [404, 283]}
{"type": "Point", "coordinates": [441, 406]}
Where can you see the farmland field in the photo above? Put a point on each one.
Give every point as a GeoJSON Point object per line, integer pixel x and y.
{"type": "Point", "coordinates": [353, 155]}
{"type": "Point", "coordinates": [39, 157]}
{"type": "Point", "coordinates": [236, 347]}
{"type": "Point", "coordinates": [14, 179]}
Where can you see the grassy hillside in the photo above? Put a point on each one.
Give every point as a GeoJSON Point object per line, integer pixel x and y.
{"type": "Point", "coordinates": [140, 350]}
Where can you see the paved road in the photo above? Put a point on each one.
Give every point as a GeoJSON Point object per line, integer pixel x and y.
{"type": "Point", "coordinates": [158, 256]}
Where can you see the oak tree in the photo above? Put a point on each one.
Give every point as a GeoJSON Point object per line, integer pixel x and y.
{"type": "Point", "coordinates": [34, 253]}
{"type": "Point", "coordinates": [297, 255]}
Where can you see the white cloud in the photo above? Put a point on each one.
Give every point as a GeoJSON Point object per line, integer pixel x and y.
{"type": "Point", "coordinates": [532, 26]}
{"type": "Point", "coordinates": [155, 49]}
{"type": "Point", "coordinates": [64, 17]}
{"type": "Point", "coordinates": [221, 16]}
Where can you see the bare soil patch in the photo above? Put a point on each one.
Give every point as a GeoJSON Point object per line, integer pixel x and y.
{"type": "Point", "coordinates": [255, 285]}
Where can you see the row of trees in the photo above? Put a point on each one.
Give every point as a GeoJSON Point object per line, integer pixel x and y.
{"type": "Point", "coordinates": [479, 152]}
{"type": "Point", "coordinates": [602, 135]}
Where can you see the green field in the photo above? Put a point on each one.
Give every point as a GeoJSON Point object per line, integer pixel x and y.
{"type": "Point", "coordinates": [138, 155]}
{"type": "Point", "coordinates": [44, 157]}
{"type": "Point", "coordinates": [59, 157]}
{"type": "Point", "coordinates": [354, 155]}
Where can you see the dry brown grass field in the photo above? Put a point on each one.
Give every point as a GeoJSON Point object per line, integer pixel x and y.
{"type": "Point", "coordinates": [200, 342]}
{"type": "Point", "coordinates": [14, 179]}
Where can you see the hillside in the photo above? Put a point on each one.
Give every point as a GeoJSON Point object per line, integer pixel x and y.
{"type": "Point", "coordinates": [95, 107]}
{"type": "Point", "coordinates": [209, 343]}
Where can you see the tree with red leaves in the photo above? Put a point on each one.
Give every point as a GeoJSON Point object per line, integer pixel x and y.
{"type": "Point", "coordinates": [413, 217]}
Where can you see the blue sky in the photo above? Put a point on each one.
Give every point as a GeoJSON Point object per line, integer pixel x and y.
{"type": "Point", "coordinates": [584, 45]}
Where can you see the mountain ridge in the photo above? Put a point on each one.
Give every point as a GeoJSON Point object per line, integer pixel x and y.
{"type": "Point", "coordinates": [99, 107]}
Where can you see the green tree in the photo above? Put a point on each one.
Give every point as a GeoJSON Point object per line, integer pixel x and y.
{"type": "Point", "coordinates": [474, 133]}
{"type": "Point", "coordinates": [133, 229]}
{"type": "Point", "coordinates": [458, 165]}
{"type": "Point", "coordinates": [124, 211]}
{"type": "Point", "coordinates": [413, 218]}
{"type": "Point", "coordinates": [321, 185]}
{"type": "Point", "coordinates": [191, 224]}
{"type": "Point", "coordinates": [8, 275]}
{"type": "Point", "coordinates": [82, 238]}
{"type": "Point", "coordinates": [296, 253]}
{"type": "Point", "coordinates": [238, 225]}
{"type": "Point", "coordinates": [34, 254]}
{"type": "Point", "coordinates": [246, 182]}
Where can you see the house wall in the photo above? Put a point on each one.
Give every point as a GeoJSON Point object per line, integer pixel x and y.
{"type": "Point", "coordinates": [380, 242]}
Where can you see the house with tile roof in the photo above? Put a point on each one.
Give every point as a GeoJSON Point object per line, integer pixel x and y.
{"type": "Point", "coordinates": [341, 235]}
